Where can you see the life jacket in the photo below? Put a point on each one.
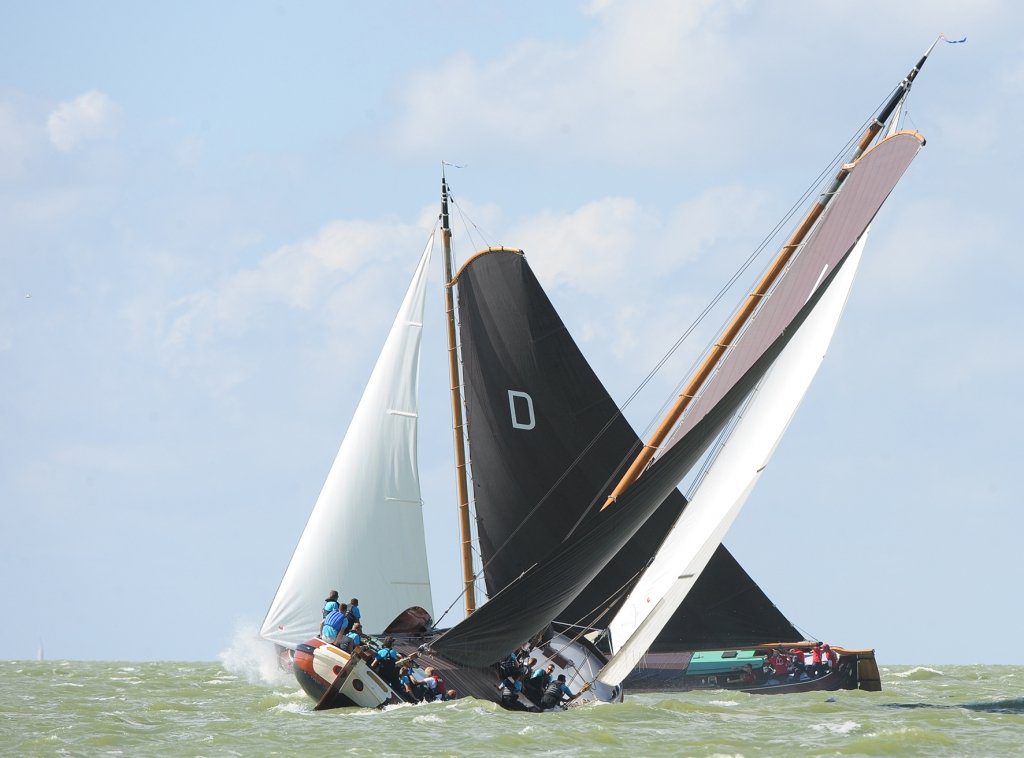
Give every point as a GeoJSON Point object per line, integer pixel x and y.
{"type": "Point", "coordinates": [798, 656]}
{"type": "Point", "coordinates": [816, 656]}
{"type": "Point", "coordinates": [553, 693]}
{"type": "Point", "coordinates": [439, 688]}
{"type": "Point", "coordinates": [509, 691]}
{"type": "Point", "coordinates": [335, 619]}
{"type": "Point", "coordinates": [508, 666]}
{"type": "Point", "coordinates": [778, 664]}
{"type": "Point", "coordinates": [330, 606]}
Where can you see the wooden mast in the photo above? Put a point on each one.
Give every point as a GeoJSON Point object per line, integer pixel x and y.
{"type": "Point", "coordinates": [722, 344]}
{"type": "Point", "coordinates": [462, 488]}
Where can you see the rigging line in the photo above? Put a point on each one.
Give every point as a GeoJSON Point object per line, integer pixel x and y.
{"type": "Point", "coordinates": [609, 600]}
{"type": "Point", "coordinates": [660, 364]}
{"type": "Point", "coordinates": [815, 184]}
{"type": "Point", "coordinates": [465, 217]}
{"type": "Point", "coordinates": [465, 224]}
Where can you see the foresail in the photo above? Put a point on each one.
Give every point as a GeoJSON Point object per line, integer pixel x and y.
{"type": "Point", "coordinates": [365, 534]}
{"type": "Point", "coordinates": [683, 556]}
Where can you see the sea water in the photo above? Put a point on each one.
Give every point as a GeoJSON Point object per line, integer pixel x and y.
{"type": "Point", "coordinates": [240, 707]}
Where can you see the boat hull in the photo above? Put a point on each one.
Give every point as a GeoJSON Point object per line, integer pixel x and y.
{"type": "Point", "coordinates": [317, 664]}
{"type": "Point", "coordinates": [681, 672]}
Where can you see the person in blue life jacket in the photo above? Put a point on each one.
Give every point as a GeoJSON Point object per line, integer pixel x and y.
{"type": "Point", "coordinates": [353, 639]}
{"type": "Point", "coordinates": [385, 662]}
{"type": "Point", "coordinates": [539, 679]}
{"type": "Point", "coordinates": [333, 625]}
{"type": "Point", "coordinates": [354, 614]}
{"type": "Point", "coordinates": [331, 603]}
{"type": "Point", "coordinates": [557, 690]}
{"type": "Point", "coordinates": [406, 689]}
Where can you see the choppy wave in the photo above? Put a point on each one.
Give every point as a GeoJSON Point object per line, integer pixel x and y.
{"type": "Point", "coordinates": [918, 673]}
{"type": "Point", "coordinates": [205, 709]}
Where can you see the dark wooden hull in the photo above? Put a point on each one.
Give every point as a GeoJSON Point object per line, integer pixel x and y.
{"type": "Point", "coordinates": [666, 672]}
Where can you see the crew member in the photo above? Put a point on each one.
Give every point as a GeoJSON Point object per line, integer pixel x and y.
{"type": "Point", "coordinates": [384, 662]}
{"type": "Point", "coordinates": [331, 603]}
{"type": "Point", "coordinates": [429, 687]}
{"type": "Point", "coordinates": [799, 661]}
{"type": "Point", "coordinates": [816, 668]}
{"type": "Point", "coordinates": [353, 639]}
{"type": "Point", "coordinates": [510, 688]}
{"type": "Point", "coordinates": [557, 690]}
{"type": "Point", "coordinates": [830, 655]}
{"type": "Point", "coordinates": [333, 625]}
{"type": "Point", "coordinates": [539, 679]}
{"type": "Point", "coordinates": [405, 686]}
{"type": "Point", "coordinates": [353, 610]}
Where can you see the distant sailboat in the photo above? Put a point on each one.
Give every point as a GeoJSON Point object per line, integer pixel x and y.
{"type": "Point", "coordinates": [645, 572]}
{"type": "Point", "coordinates": [40, 655]}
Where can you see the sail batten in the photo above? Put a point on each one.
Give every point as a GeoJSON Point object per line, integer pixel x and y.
{"type": "Point", "coordinates": [373, 481]}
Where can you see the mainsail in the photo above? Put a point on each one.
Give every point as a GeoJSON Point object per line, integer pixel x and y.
{"type": "Point", "coordinates": [545, 436]}
{"type": "Point", "coordinates": [546, 589]}
{"type": "Point", "coordinates": [365, 534]}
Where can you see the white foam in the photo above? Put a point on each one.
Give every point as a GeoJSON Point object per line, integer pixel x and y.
{"type": "Point", "coordinates": [844, 728]}
{"type": "Point", "coordinates": [302, 708]}
{"type": "Point", "coordinates": [724, 702]}
{"type": "Point", "coordinates": [253, 658]}
{"type": "Point", "coordinates": [429, 718]}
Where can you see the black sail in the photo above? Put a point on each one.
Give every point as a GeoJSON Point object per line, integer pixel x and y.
{"type": "Point", "coordinates": [534, 406]}
{"type": "Point", "coordinates": [547, 588]}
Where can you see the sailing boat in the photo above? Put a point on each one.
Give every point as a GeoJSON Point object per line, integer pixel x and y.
{"type": "Point", "coordinates": [546, 442]}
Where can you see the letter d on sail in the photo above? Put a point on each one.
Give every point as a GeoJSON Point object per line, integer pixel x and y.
{"type": "Point", "coordinates": [516, 422]}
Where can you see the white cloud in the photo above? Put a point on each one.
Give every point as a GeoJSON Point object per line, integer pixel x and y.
{"type": "Point", "coordinates": [336, 275]}
{"type": "Point", "coordinates": [89, 116]}
{"type": "Point", "coordinates": [633, 88]}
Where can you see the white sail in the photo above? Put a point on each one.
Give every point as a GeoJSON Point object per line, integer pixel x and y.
{"type": "Point", "coordinates": [365, 534]}
{"type": "Point", "coordinates": [729, 480]}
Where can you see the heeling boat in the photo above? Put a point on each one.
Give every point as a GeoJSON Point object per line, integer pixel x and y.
{"type": "Point", "coordinates": [534, 406]}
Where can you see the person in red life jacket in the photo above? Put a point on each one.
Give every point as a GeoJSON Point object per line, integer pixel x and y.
{"type": "Point", "coordinates": [799, 661]}
{"type": "Point", "coordinates": [829, 655]}
{"type": "Point", "coordinates": [779, 663]}
{"type": "Point", "coordinates": [816, 668]}
{"type": "Point", "coordinates": [747, 675]}
{"type": "Point", "coordinates": [430, 686]}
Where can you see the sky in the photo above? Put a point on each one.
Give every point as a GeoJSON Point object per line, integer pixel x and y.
{"type": "Point", "coordinates": [209, 214]}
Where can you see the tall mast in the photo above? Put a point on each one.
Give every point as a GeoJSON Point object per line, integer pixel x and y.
{"type": "Point", "coordinates": [461, 486]}
{"type": "Point", "coordinates": [727, 337]}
